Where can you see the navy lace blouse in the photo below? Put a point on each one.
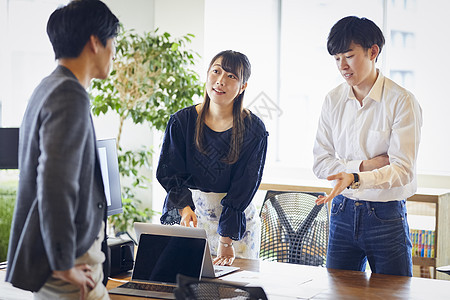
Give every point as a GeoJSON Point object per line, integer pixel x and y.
{"type": "Point", "coordinates": [181, 167]}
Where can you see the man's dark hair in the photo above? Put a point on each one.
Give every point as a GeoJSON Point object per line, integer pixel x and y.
{"type": "Point", "coordinates": [70, 27]}
{"type": "Point", "coordinates": [361, 31]}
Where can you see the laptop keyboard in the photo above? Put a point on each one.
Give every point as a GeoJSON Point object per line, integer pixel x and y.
{"type": "Point", "coordinates": [149, 287]}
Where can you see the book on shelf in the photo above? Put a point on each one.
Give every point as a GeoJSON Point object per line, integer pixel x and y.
{"type": "Point", "coordinates": [423, 244]}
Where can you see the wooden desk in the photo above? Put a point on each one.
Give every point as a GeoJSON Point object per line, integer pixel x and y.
{"type": "Point", "coordinates": [290, 281]}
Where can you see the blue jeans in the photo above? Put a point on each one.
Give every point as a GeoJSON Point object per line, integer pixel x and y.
{"type": "Point", "coordinates": [377, 232]}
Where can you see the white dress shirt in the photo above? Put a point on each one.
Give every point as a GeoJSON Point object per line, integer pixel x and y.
{"type": "Point", "coordinates": [389, 122]}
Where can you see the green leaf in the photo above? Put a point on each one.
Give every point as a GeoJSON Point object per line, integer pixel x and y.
{"type": "Point", "coordinates": [158, 70]}
{"type": "Point", "coordinates": [174, 47]}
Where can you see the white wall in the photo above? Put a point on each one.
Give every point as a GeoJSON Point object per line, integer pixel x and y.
{"type": "Point", "coordinates": [139, 15]}
{"type": "Point", "coordinates": [177, 17]}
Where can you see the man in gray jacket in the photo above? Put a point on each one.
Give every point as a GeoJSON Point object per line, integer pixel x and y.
{"type": "Point", "coordinates": [55, 248]}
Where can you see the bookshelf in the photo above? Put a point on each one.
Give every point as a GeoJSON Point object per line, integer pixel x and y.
{"type": "Point", "coordinates": [436, 204]}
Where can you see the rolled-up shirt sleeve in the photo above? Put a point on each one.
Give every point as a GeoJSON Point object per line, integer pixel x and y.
{"type": "Point", "coordinates": [403, 147]}
{"type": "Point", "coordinates": [388, 123]}
{"type": "Point", "coordinates": [172, 174]}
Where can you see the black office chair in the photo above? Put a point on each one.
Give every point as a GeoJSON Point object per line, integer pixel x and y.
{"type": "Point", "coordinates": [444, 269]}
{"type": "Point", "coordinates": [293, 228]}
{"type": "Point", "coordinates": [189, 288]}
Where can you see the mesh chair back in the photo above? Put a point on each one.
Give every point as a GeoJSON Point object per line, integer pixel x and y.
{"type": "Point", "coordinates": [293, 228]}
{"type": "Point", "coordinates": [193, 289]}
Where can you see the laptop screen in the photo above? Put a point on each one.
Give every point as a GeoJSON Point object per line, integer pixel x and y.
{"type": "Point", "coordinates": [160, 258]}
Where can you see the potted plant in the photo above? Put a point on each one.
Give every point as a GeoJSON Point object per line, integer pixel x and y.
{"type": "Point", "coordinates": [8, 190]}
{"type": "Point", "coordinates": [152, 78]}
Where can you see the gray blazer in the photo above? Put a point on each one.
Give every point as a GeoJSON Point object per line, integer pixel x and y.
{"type": "Point", "coordinates": [60, 201]}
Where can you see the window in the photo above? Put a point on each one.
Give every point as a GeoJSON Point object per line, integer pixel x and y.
{"type": "Point", "coordinates": [308, 71]}
{"type": "Point", "coordinates": [292, 70]}
{"type": "Point", "coordinates": [403, 77]}
{"type": "Point", "coordinates": [403, 40]}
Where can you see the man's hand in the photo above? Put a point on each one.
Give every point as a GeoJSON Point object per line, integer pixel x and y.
{"type": "Point", "coordinates": [225, 255]}
{"type": "Point", "coordinates": [187, 215]}
{"type": "Point", "coordinates": [374, 163]}
{"type": "Point", "coordinates": [80, 276]}
{"type": "Point", "coordinates": [343, 180]}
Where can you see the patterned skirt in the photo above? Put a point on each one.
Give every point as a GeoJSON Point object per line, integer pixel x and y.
{"type": "Point", "coordinates": [208, 210]}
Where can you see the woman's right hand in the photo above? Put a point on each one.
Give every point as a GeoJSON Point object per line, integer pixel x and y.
{"type": "Point", "coordinates": [188, 216]}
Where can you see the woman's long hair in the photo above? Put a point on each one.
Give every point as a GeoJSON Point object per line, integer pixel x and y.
{"type": "Point", "coordinates": [236, 63]}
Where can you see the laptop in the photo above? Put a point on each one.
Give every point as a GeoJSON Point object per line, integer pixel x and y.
{"type": "Point", "coordinates": [209, 269]}
{"type": "Point", "coordinates": [159, 259]}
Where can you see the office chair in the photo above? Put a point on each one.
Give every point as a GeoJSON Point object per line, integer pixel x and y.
{"type": "Point", "coordinates": [189, 288]}
{"type": "Point", "coordinates": [293, 228]}
{"type": "Point", "coordinates": [444, 269]}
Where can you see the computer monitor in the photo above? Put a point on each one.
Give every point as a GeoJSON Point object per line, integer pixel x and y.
{"type": "Point", "coordinates": [110, 172]}
{"type": "Point", "coordinates": [9, 148]}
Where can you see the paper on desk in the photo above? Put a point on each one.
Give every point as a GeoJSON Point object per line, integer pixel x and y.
{"type": "Point", "coordinates": [11, 293]}
{"type": "Point", "coordinates": [279, 285]}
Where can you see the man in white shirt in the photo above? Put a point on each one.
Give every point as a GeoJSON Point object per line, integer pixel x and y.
{"type": "Point", "coordinates": [367, 142]}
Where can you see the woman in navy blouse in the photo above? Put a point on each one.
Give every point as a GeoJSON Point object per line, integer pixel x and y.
{"type": "Point", "coordinates": [212, 161]}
